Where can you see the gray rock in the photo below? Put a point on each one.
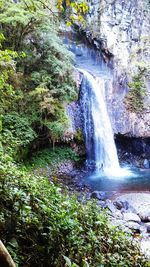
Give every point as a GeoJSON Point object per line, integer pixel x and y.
{"type": "Point", "coordinates": [120, 25]}
{"type": "Point", "coordinates": [144, 215]}
{"type": "Point", "coordinates": [132, 209]}
{"type": "Point", "coordinates": [101, 203]}
{"type": "Point", "coordinates": [130, 216]}
{"type": "Point", "coordinates": [145, 247]}
{"type": "Point", "coordinates": [118, 222]}
{"type": "Point", "coordinates": [140, 202]}
{"type": "Point", "coordinates": [134, 226]}
{"type": "Point", "coordinates": [143, 231]}
{"type": "Point", "coordinates": [121, 204]}
{"type": "Point", "coordinates": [147, 227]}
{"type": "Point", "coordinates": [118, 205]}
{"type": "Point", "coordinates": [146, 164]}
{"type": "Point", "coordinates": [129, 208]}
{"type": "Point", "coordinates": [101, 195]}
{"type": "Point", "coordinates": [111, 207]}
{"type": "Point", "coordinates": [97, 195]}
{"type": "Point", "coordinates": [118, 215]}
{"type": "Point", "coordinates": [121, 223]}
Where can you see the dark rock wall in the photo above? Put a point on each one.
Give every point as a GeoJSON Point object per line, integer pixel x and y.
{"type": "Point", "coordinates": [121, 28]}
{"type": "Point", "coordinates": [119, 31]}
{"type": "Point", "coordinates": [136, 146]}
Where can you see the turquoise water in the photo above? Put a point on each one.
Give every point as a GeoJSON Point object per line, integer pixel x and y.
{"type": "Point", "coordinates": [135, 180]}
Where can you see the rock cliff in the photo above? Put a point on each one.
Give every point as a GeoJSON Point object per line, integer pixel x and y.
{"type": "Point", "coordinates": [121, 30]}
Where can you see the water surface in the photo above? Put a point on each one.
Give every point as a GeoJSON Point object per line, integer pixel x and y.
{"type": "Point", "coordinates": [138, 181]}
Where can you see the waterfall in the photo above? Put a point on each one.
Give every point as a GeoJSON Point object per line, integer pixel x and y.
{"type": "Point", "coordinates": [100, 145]}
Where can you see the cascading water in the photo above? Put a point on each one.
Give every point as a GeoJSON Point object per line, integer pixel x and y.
{"type": "Point", "coordinates": [100, 146]}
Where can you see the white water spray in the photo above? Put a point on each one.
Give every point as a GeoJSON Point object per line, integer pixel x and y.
{"type": "Point", "coordinates": [99, 137]}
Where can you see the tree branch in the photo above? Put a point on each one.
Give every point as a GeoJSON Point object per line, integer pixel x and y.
{"type": "Point", "coordinates": [5, 258]}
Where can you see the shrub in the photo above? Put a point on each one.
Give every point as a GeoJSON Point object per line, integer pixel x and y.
{"type": "Point", "coordinates": [40, 225]}
{"type": "Point", "coordinates": [16, 134]}
{"type": "Point", "coordinates": [53, 156]}
{"type": "Point", "coordinates": [137, 91]}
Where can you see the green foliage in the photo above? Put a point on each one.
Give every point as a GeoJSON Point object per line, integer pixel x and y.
{"type": "Point", "coordinates": [74, 10]}
{"type": "Point", "coordinates": [56, 128]}
{"type": "Point", "coordinates": [36, 82]}
{"type": "Point", "coordinates": [16, 134]}
{"type": "Point", "coordinates": [1, 125]}
{"type": "Point", "coordinates": [54, 70]}
{"type": "Point", "coordinates": [135, 97]}
{"type": "Point", "coordinates": [79, 136]}
{"type": "Point", "coordinates": [19, 20]}
{"type": "Point", "coordinates": [7, 67]}
{"type": "Point", "coordinates": [53, 156]}
{"type": "Point", "coordinates": [40, 225]}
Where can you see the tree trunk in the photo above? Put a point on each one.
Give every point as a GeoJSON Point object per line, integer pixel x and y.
{"type": "Point", "coordinates": [5, 258]}
{"type": "Point", "coordinates": [53, 144]}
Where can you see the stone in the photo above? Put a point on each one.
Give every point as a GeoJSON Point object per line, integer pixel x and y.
{"type": "Point", "coordinates": [134, 226]}
{"type": "Point", "coordinates": [144, 215]}
{"type": "Point", "coordinates": [140, 202]}
{"type": "Point", "coordinates": [143, 230]}
{"type": "Point", "coordinates": [118, 215]}
{"type": "Point", "coordinates": [88, 196]}
{"type": "Point", "coordinates": [121, 204]}
{"type": "Point", "coordinates": [146, 164]}
{"type": "Point", "coordinates": [130, 216]}
{"type": "Point", "coordinates": [118, 205]}
{"type": "Point", "coordinates": [132, 209]}
{"type": "Point", "coordinates": [145, 247]}
{"type": "Point", "coordinates": [118, 222]}
{"type": "Point", "coordinates": [121, 224]}
{"type": "Point", "coordinates": [101, 195]}
{"type": "Point", "coordinates": [147, 227]}
{"type": "Point", "coordinates": [97, 195]}
{"type": "Point", "coordinates": [111, 207]}
{"type": "Point", "coordinates": [101, 203]}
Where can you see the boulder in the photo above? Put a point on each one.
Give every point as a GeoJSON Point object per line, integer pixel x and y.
{"type": "Point", "coordinates": [101, 203]}
{"type": "Point", "coordinates": [146, 164]}
{"type": "Point", "coordinates": [121, 204]}
{"type": "Point", "coordinates": [118, 215]}
{"type": "Point", "coordinates": [144, 215]}
{"type": "Point", "coordinates": [145, 247]}
{"type": "Point", "coordinates": [121, 224]}
{"type": "Point", "coordinates": [134, 226]}
{"type": "Point", "coordinates": [130, 216]}
{"type": "Point", "coordinates": [147, 227]}
{"type": "Point", "coordinates": [97, 195]}
{"type": "Point", "coordinates": [111, 207]}
{"type": "Point", "coordinates": [101, 195]}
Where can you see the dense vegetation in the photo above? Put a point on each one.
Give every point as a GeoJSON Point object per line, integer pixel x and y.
{"type": "Point", "coordinates": [39, 225]}
{"type": "Point", "coordinates": [36, 81]}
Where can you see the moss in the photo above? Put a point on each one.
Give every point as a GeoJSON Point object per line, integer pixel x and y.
{"type": "Point", "coordinates": [79, 136]}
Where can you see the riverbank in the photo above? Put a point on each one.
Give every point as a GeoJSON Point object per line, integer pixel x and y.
{"type": "Point", "coordinates": [129, 210]}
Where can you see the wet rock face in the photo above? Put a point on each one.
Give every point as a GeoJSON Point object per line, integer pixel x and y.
{"type": "Point", "coordinates": [76, 116]}
{"type": "Point", "coordinates": [122, 28]}
{"type": "Point", "coordinates": [135, 151]}
{"type": "Point", "coordinates": [119, 24]}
